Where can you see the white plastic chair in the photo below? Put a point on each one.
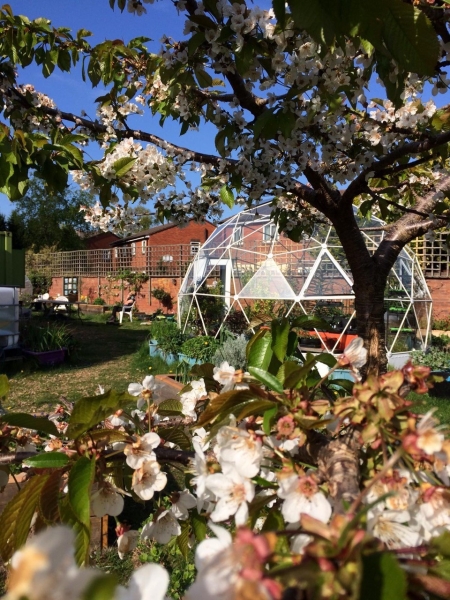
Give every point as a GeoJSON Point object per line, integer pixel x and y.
{"type": "Point", "coordinates": [127, 310]}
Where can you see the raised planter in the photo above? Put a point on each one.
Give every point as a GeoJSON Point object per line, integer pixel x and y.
{"type": "Point", "coordinates": [98, 309]}
{"type": "Point", "coordinates": [153, 348]}
{"type": "Point", "coordinates": [188, 360]}
{"type": "Point", "coordinates": [50, 358]}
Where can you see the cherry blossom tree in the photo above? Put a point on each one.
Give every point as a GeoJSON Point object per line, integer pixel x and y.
{"type": "Point", "coordinates": [289, 92]}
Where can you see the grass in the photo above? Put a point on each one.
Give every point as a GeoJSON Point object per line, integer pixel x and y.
{"type": "Point", "coordinates": [108, 355]}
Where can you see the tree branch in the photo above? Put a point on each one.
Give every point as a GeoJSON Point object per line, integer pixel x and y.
{"type": "Point", "coordinates": [357, 185]}
{"type": "Point", "coordinates": [99, 128]}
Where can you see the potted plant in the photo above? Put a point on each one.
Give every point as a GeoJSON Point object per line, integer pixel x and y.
{"type": "Point", "coordinates": [165, 340]}
{"type": "Point", "coordinates": [439, 362]}
{"type": "Point", "coordinates": [49, 344]}
{"type": "Point", "coordinates": [200, 349]}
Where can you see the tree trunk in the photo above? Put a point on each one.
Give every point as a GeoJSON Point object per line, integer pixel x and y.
{"type": "Point", "coordinates": [369, 306]}
{"type": "Point", "coordinates": [369, 283]}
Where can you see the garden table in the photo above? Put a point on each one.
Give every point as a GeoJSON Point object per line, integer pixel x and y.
{"type": "Point", "coordinates": [53, 307]}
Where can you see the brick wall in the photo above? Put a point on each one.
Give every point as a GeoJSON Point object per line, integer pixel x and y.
{"type": "Point", "coordinates": [110, 291]}
{"type": "Point", "coordinates": [440, 292]}
{"type": "Point", "coordinates": [182, 235]}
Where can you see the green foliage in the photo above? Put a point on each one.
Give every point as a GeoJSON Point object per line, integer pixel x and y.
{"type": "Point", "coordinates": [202, 348]}
{"type": "Point", "coordinates": [90, 411]}
{"type": "Point", "coordinates": [169, 337]}
{"type": "Point", "coordinates": [442, 324]}
{"type": "Point", "coordinates": [42, 218]}
{"type": "Point", "coordinates": [99, 301]}
{"type": "Point", "coordinates": [41, 424]}
{"type": "Point", "coordinates": [49, 336]}
{"type": "Point", "coordinates": [233, 351]}
{"type": "Point", "coordinates": [435, 358]}
{"type": "Point", "coordinates": [41, 282]}
{"type": "Point", "coordinates": [382, 578]}
{"type": "Point", "coordinates": [15, 520]}
{"type": "Point", "coordinates": [163, 296]}
{"type": "Point", "coordinates": [182, 569]}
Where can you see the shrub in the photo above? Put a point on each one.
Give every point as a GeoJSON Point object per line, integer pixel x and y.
{"type": "Point", "coordinates": [202, 348]}
{"type": "Point", "coordinates": [163, 297]}
{"type": "Point", "coordinates": [442, 324]}
{"type": "Point", "coordinates": [233, 350]}
{"type": "Point", "coordinates": [169, 337]}
{"type": "Point", "coordinates": [99, 301]}
{"type": "Point", "coordinates": [51, 336]}
{"type": "Point", "coordinates": [436, 359]}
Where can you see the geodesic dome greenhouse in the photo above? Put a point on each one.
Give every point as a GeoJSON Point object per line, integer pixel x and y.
{"type": "Point", "coordinates": [246, 273]}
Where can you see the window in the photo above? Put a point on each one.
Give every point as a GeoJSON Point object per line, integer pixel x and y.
{"type": "Point", "coordinates": [270, 233]}
{"type": "Point", "coordinates": [237, 236]}
{"type": "Point", "coordinates": [116, 252]}
{"type": "Point", "coordinates": [70, 286]}
{"type": "Point", "coordinates": [107, 254]}
{"type": "Point", "coordinates": [133, 248]}
{"type": "Point", "coordinates": [195, 247]}
{"type": "Point", "coordinates": [144, 246]}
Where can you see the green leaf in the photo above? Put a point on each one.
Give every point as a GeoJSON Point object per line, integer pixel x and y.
{"type": "Point", "coordinates": [103, 587]}
{"type": "Point", "coordinates": [382, 578]}
{"type": "Point", "coordinates": [327, 359]}
{"type": "Point", "coordinates": [259, 349]}
{"type": "Point", "coordinates": [269, 417]}
{"type": "Point", "coordinates": [29, 422]}
{"type": "Point", "coordinates": [258, 407]}
{"type": "Point", "coordinates": [199, 526]}
{"type": "Point", "coordinates": [4, 386]}
{"type": "Point", "coordinates": [170, 407]}
{"type": "Point", "coordinates": [265, 120]}
{"type": "Point", "coordinates": [15, 519]}
{"type": "Point", "coordinates": [204, 79]}
{"type": "Point", "coordinates": [227, 402]}
{"type": "Point", "coordinates": [75, 510]}
{"type": "Point", "coordinates": [80, 481]}
{"type": "Point", "coordinates": [410, 37]}
{"type": "Point", "coordinates": [227, 196]}
{"type": "Point", "coordinates": [279, 7]}
{"type": "Point", "coordinates": [90, 411]}
{"type": "Point", "coordinates": [280, 334]}
{"type": "Point", "coordinates": [274, 521]}
{"type": "Point", "coordinates": [47, 460]}
{"type": "Point", "coordinates": [183, 539]}
{"type": "Point", "coordinates": [49, 499]}
{"type": "Point", "coordinates": [442, 543]}
{"type": "Point", "coordinates": [267, 379]}
{"type": "Point", "coordinates": [123, 165]}
{"type": "Point", "coordinates": [315, 17]}
{"type": "Point", "coordinates": [177, 437]}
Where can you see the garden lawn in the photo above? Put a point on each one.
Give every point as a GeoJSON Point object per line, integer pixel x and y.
{"type": "Point", "coordinates": [108, 355]}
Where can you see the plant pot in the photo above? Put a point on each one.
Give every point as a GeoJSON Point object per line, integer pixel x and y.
{"type": "Point", "coordinates": [50, 358]}
{"type": "Point", "coordinates": [153, 348]}
{"type": "Point", "coordinates": [187, 359]}
{"type": "Point", "coordinates": [169, 357]}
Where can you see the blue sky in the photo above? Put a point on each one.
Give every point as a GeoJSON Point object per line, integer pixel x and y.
{"type": "Point", "coordinates": [68, 90]}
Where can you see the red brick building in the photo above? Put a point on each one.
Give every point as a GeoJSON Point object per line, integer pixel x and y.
{"type": "Point", "coordinates": [161, 253]}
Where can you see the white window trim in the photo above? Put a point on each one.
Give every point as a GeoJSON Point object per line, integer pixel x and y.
{"type": "Point", "coordinates": [144, 246]}
{"type": "Point", "coordinates": [133, 248]}
{"type": "Point", "coordinates": [237, 236]}
{"type": "Point", "coordinates": [267, 239]}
